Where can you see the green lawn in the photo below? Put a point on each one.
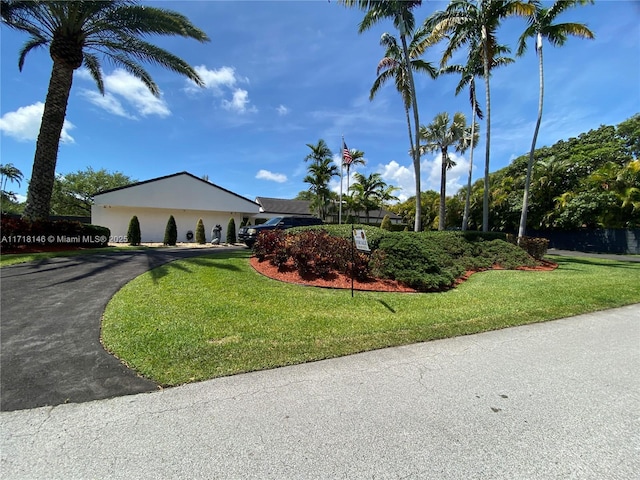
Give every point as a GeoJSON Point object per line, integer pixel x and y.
{"type": "Point", "coordinates": [212, 316]}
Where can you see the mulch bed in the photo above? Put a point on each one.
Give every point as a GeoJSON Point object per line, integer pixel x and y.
{"type": "Point", "coordinates": [289, 274]}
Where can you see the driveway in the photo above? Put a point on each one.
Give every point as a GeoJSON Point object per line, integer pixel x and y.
{"type": "Point", "coordinates": [50, 329]}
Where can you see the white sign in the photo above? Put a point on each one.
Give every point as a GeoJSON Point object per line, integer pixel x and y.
{"type": "Point", "coordinates": [361, 240]}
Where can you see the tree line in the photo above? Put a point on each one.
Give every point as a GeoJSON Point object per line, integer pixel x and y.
{"type": "Point", "coordinates": [590, 181]}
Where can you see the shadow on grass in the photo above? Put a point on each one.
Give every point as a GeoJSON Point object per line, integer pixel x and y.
{"type": "Point", "coordinates": [564, 262]}
{"type": "Point", "coordinates": [124, 265]}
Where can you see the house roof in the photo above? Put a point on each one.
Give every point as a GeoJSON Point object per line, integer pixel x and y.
{"type": "Point", "coordinates": [170, 176]}
{"type": "Point", "coordinates": [288, 207]}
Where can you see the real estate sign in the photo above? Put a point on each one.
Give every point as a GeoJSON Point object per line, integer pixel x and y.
{"type": "Point", "coordinates": [360, 238]}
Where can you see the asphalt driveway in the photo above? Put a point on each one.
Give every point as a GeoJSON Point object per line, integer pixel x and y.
{"type": "Point", "coordinates": [50, 329]}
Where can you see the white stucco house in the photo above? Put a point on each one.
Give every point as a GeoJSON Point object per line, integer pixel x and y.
{"type": "Point", "coordinates": [183, 195]}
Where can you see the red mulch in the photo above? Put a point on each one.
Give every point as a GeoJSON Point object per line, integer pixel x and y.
{"type": "Point", "coordinates": [337, 280]}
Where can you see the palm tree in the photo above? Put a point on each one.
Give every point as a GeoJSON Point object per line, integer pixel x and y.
{"type": "Point", "coordinates": [385, 195]}
{"type": "Point", "coordinates": [541, 26]}
{"type": "Point", "coordinates": [9, 173]}
{"type": "Point", "coordinates": [320, 174]}
{"type": "Point", "coordinates": [469, 22]}
{"type": "Point", "coordinates": [392, 65]}
{"type": "Point", "coordinates": [367, 190]}
{"type": "Point", "coordinates": [319, 152]}
{"type": "Point", "coordinates": [468, 73]}
{"type": "Point", "coordinates": [356, 157]}
{"type": "Point", "coordinates": [441, 135]}
{"type": "Point", "coordinates": [401, 13]}
{"type": "Point", "coordinates": [76, 33]}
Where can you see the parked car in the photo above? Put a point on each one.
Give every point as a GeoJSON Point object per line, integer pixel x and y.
{"type": "Point", "coordinates": [249, 234]}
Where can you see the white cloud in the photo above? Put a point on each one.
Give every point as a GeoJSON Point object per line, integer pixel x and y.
{"type": "Point", "coordinates": [399, 176]}
{"type": "Point", "coordinates": [274, 177]}
{"type": "Point", "coordinates": [282, 110]}
{"type": "Point", "coordinates": [239, 102]}
{"type": "Point", "coordinates": [221, 81]}
{"type": "Point", "coordinates": [214, 79]}
{"type": "Point", "coordinates": [24, 124]}
{"type": "Point", "coordinates": [122, 85]}
{"type": "Point", "coordinates": [107, 102]}
{"type": "Point", "coordinates": [456, 176]}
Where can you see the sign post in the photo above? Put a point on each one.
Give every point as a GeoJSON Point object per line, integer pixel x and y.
{"type": "Point", "coordinates": [358, 241]}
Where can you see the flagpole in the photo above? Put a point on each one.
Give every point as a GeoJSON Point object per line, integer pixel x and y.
{"type": "Point", "coordinates": [341, 177]}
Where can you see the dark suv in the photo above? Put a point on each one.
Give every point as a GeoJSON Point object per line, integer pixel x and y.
{"type": "Point", "coordinates": [249, 234]}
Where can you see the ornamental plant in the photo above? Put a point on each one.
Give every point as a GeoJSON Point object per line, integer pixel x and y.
{"type": "Point", "coordinates": [231, 231]}
{"type": "Point", "coordinates": [200, 236]}
{"type": "Point", "coordinates": [171, 232]}
{"type": "Point", "coordinates": [133, 234]}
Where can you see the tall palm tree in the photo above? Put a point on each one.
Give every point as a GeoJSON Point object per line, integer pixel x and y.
{"type": "Point", "coordinates": [400, 12]}
{"type": "Point", "coordinates": [77, 33]}
{"type": "Point", "coordinates": [476, 22]}
{"type": "Point", "coordinates": [319, 152]}
{"type": "Point", "coordinates": [541, 26]}
{"type": "Point", "coordinates": [392, 65]}
{"type": "Point", "coordinates": [441, 134]}
{"type": "Point", "coordinates": [319, 176]}
{"type": "Point", "coordinates": [367, 190]}
{"type": "Point", "coordinates": [468, 73]}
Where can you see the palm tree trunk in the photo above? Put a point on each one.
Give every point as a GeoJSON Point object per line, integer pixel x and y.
{"type": "Point", "coordinates": [443, 190]}
{"type": "Point", "coordinates": [467, 202]}
{"type": "Point", "coordinates": [485, 199]}
{"type": "Point", "coordinates": [46, 156]}
{"type": "Point", "coordinates": [525, 199]}
{"type": "Point", "coordinates": [414, 149]}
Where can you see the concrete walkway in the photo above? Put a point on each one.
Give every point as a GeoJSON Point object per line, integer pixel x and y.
{"type": "Point", "coordinates": [555, 400]}
{"type": "Point", "coordinates": [50, 329]}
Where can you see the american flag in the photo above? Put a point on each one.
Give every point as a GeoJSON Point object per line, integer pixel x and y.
{"type": "Point", "coordinates": [346, 155]}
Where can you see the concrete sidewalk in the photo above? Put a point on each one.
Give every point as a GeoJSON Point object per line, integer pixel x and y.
{"type": "Point", "coordinates": [554, 400]}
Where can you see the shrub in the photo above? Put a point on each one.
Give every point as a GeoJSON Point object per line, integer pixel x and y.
{"type": "Point", "coordinates": [200, 235]}
{"type": "Point", "coordinates": [231, 231]}
{"type": "Point", "coordinates": [386, 223]}
{"type": "Point", "coordinates": [536, 247]}
{"type": "Point", "coordinates": [433, 260]}
{"type": "Point", "coordinates": [268, 243]}
{"type": "Point", "coordinates": [171, 232]}
{"type": "Point", "coordinates": [133, 234]}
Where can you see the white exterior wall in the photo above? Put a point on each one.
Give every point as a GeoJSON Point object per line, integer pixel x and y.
{"type": "Point", "coordinates": [186, 198]}
{"type": "Point", "coordinates": [153, 222]}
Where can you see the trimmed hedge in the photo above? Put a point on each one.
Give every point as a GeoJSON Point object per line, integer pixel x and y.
{"type": "Point", "coordinates": [133, 234]}
{"type": "Point", "coordinates": [200, 235]}
{"type": "Point", "coordinates": [17, 233]}
{"type": "Point", "coordinates": [171, 232]}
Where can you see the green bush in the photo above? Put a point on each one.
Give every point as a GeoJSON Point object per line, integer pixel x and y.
{"type": "Point", "coordinates": [433, 260]}
{"type": "Point", "coordinates": [386, 223]}
{"type": "Point", "coordinates": [534, 246]}
{"type": "Point", "coordinates": [374, 234]}
{"type": "Point", "coordinates": [231, 231]}
{"type": "Point", "coordinates": [133, 234]}
{"type": "Point", "coordinates": [171, 232]}
{"type": "Point", "coordinates": [200, 235]}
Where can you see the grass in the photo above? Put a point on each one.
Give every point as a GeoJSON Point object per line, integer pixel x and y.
{"type": "Point", "coordinates": [213, 316]}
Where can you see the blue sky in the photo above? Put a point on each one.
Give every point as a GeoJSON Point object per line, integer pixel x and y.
{"type": "Point", "coordinates": [283, 74]}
